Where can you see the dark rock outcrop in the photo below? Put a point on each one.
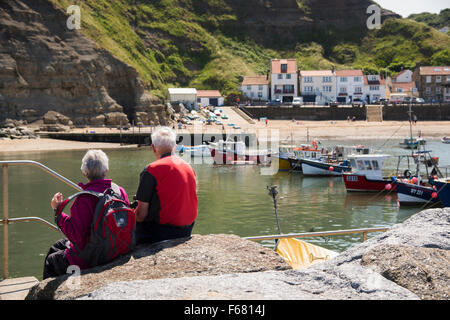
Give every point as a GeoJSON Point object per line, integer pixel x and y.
{"type": "Point", "coordinates": [45, 66]}
{"type": "Point", "coordinates": [200, 255]}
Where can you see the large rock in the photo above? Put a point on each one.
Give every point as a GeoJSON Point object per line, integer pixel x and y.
{"type": "Point", "coordinates": [343, 277]}
{"type": "Point", "coordinates": [424, 271]}
{"type": "Point", "coordinates": [45, 66]}
{"type": "Point", "coordinates": [200, 255]}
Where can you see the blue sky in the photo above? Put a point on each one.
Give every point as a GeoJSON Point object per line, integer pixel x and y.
{"type": "Point", "coordinates": [406, 7]}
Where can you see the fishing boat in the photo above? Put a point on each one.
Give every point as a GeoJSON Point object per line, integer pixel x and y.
{"type": "Point", "coordinates": [195, 151]}
{"type": "Point", "coordinates": [445, 140]}
{"type": "Point", "coordinates": [325, 167]}
{"type": "Point", "coordinates": [235, 152]}
{"type": "Point", "coordinates": [443, 190]}
{"type": "Point", "coordinates": [412, 143]}
{"type": "Point", "coordinates": [304, 151]}
{"type": "Point", "coordinates": [367, 174]}
{"type": "Point", "coordinates": [285, 152]}
{"type": "Point", "coordinates": [419, 190]}
{"type": "Point", "coordinates": [333, 163]}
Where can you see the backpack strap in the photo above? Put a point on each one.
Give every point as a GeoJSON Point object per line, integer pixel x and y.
{"type": "Point", "coordinates": [63, 204]}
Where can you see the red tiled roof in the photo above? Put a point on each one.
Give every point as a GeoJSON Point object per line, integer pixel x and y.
{"type": "Point", "coordinates": [431, 71]}
{"type": "Point", "coordinates": [380, 82]}
{"type": "Point", "coordinates": [349, 73]}
{"type": "Point", "coordinates": [291, 65]}
{"type": "Point", "coordinates": [406, 86]}
{"type": "Point", "coordinates": [208, 94]}
{"type": "Point", "coordinates": [256, 80]}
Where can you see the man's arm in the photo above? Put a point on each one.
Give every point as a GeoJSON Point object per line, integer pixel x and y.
{"type": "Point", "coordinates": [141, 211]}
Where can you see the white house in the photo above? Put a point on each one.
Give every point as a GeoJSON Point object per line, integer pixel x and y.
{"type": "Point", "coordinates": [256, 87]}
{"type": "Point", "coordinates": [349, 85]}
{"type": "Point", "coordinates": [317, 86]}
{"type": "Point", "coordinates": [210, 98]}
{"type": "Point", "coordinates": [403, 76]}
{"type": "Point", "coordinates": [374, 88]}
{"type": "Point", "coordinates": [284, 79]}
{"type": "Point", "coordinates": [186, 96]}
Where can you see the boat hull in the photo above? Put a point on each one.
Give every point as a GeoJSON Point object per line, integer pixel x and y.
{"type": "Point", "coordinates": [360, 183]}
{"type": "Point", "coordinates": [412, 194]}
{"type": "Point", "coordinates": [443, 192]}
{"type": "Point", "coordinates": [283, 164]}
{"type": "Point", "coordinates": [318, 168]}
{"type": "Point", "coordinates": [221, 157]}
{"type": "Point", "coordinates": [295, 165]}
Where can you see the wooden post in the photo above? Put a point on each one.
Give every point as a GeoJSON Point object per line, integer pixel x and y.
{"type": "Point", "coordinates": [5, 221]}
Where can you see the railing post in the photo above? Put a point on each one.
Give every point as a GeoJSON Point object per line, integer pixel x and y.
{"type": "Point", "coordinates": [364, 236]}
{"type": "Point", "coordinates": [5, 221]}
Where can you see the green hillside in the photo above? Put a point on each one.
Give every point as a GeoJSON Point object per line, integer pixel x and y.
{"type": "Point", "coordinates": [434, 20]}
{"type": "Point", "coordinates": [204, 43]}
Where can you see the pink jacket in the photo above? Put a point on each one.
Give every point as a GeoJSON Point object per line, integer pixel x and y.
{"type": "Point", "coordinates": [77, 226]}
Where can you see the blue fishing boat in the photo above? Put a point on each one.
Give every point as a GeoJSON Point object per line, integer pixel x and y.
{"type": "Point", "coordinates": [443, 189]}
{"type": "Point", "coordinates": [410, 193]}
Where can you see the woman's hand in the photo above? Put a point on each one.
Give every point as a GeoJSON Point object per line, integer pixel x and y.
{"type": "Point", "coordinates": [56, 200]}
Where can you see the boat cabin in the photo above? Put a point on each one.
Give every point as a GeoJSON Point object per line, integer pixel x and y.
{"type": "Point", "coordinates": [370, 166]}
{"type": "Point", "coordinates": [237, 147]}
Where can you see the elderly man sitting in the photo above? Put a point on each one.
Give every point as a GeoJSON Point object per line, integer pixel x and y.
{"type": "Point", "coordinates": [77, 226]}
{"type": "Point", "coordinates": [166, 195]}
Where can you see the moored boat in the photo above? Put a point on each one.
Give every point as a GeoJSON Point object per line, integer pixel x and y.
{"type": "Point", "coordinates": [324, 168]}
{"type": "Point", "coordinates": [412, 143]}
{"type": "Point", "coordinates": [367, 174]}
{"type": "Point", "coordinates": [443, 190]}
{"type": "Point", "coordinates": [445, 140]}
{"type": "Point", "coordinates": [235, 152]}
{"type": "Point", "coordinates": [410, 193]}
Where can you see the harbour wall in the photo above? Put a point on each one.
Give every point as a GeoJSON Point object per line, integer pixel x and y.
{"type": "Point", "coordinates": [186, 139]}
{"type": "Point", "coordinates": [436, 112]}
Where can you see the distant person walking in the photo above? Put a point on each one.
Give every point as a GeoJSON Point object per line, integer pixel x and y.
{"type": "Point", "coordinates": [267, 122]}
{"type": "Point", "coordinates": [415, 119]}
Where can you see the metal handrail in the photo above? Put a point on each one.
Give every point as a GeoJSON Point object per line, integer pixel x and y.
{"type": "Point", "coordinates": [319, 234]}
{"type": "Point", "coordinates": [6, 221]}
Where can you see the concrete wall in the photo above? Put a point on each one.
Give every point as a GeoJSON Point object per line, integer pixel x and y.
{"type": "Point", "coordinates": [390, 113]}
{"type": "Point", "coordinates": [307, 113]}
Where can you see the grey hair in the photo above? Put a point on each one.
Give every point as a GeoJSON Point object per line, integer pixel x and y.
{"type": "Point", "coordinates": [95, 165]}
{"type": "Point", "coordinates": [164, 139]}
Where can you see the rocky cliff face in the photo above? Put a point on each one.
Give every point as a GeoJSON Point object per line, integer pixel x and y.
{"type": "Point", "coordinates": [45, 66]}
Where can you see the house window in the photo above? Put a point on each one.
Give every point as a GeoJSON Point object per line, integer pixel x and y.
{"type": "Point", "coordinates": [428, 79]}
{"type": "Point", "coordinates": [358, 90]}
{"type": "Point", "coordinates": [260, 94]}
{"type": "Point", "coordinates": [326, 88]}
{"type": "Point", "coordinates": [288, 88]}
{"type": "Point", "coordinates": [438, 79]}
{"type": "Point", "coordinates": [288, 76]}
{"type": "Point", "coordinates": [374, 88]}
{"type": "Point", "coordinates": [249, 88]}
{"type": "Point", "coordinates": [428, 90]}
{"type": "Point", "coordinates": [308, 79]}
{"type": "Point", "coordinates": [438, 90]}
{"type": "Point", "coordinates": [343, 90]}
{"type": "Point", "coordinates": [326, 79]}
{"type": "Point", "coordinates": [343, 79]}
{"type": "Point", "coordinates": [284, 68]}
{"type": "Point", "coordinates": [357, 79]}
{"type": "Point", "coordinates": [260, 87]}
{"type": "Point", "coordinates": [308, 89]}
{"type": "Point", "coordinates": [399, 90]}
{"type": "Point", "coordinates": [280, 76]}
{"type": "Point", "coordinates": [448, 78]}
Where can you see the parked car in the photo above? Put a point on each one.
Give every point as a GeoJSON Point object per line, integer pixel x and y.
{"type": "Point", "coordinates": [418, 100]}
{"type": "Point", "coordinates": [382, 101]}
{"type": "Point", "coordinates": [358, 103]}
{"type": "Point", "coordinates": [274, 103]}
{"type": "Point", "coordinates": [297, 102]}
{"type": "Point", "coordinates": [333, 103]}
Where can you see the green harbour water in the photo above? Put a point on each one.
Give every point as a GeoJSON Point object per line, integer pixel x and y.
{"type": "Point", "coordinates": [232, 200]}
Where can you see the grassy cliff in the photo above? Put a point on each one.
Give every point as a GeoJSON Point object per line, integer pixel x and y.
{"type": "Point", "coordinates": [209, 43]}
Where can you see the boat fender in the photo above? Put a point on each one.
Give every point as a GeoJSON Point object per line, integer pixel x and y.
{"type": "Point", "coordinates": [407, 174]}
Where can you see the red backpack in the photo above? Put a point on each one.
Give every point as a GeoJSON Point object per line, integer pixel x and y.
{"type": "Point", "coordinates": [112, 229]}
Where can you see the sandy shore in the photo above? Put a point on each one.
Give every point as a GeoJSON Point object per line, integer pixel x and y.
{"type": "Point", "coordinates": [284, 129]}
{"type": "Point", "coordinates": [43, 145]}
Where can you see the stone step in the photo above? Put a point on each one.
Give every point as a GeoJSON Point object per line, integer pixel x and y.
{"type": "Point", "coordinates": [16, 288]}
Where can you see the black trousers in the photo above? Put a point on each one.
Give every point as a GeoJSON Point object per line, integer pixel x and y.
{"type": "Point", "coordinates": [151, 233]}
{"type": "Point", "coordinates": [56, 263]}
